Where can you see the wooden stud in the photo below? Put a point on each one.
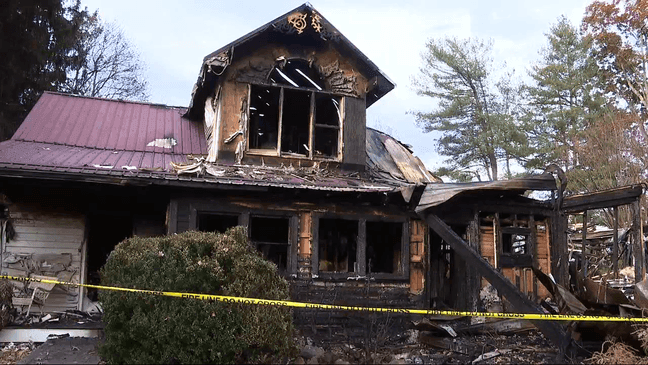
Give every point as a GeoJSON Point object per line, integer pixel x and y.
{"type": "Point", "coordinates": [584, 247]}
{"type": "Point", "coordinates": [311, 126]}
{"type": "Point", "coordinates": [280, 128]}
{"type": "Point", "coordinates": [638, 248]}
{"type": "Point", "coordinates": [615, 242]}
{"type": "Point", "coordinates": [361, 254]}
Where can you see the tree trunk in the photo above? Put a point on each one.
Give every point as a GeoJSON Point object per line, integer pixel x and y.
{"type": "Point", "coordinates": [493, 163]}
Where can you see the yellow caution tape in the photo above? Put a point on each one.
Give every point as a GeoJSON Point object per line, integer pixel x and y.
{"type": "Point", "coordinates": [286, 303]}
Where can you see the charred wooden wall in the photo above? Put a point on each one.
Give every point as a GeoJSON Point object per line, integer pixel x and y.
{"type": "Point", "coordinates": [346, 324]}
{"type": "Point", "coordinates": [254, 68]}
{"type": "Point", "coordinates": [521, 277]}
{"type": "Point", "coordinates": [405, 291]}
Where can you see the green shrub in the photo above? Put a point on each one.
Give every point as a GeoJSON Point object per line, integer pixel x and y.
{"type": "Point", "coordinates": [145, 328]}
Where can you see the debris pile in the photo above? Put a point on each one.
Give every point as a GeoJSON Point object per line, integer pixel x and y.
{"type": "Point", "coordinates": [28, 294]}
{"type": "Point", "coordinates": [618, 353]}
{"type": "Point", "coordinates": [11, 353]}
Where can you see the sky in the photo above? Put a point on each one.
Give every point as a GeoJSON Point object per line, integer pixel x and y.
{"type": "Point", "coordinates": [172, 38]}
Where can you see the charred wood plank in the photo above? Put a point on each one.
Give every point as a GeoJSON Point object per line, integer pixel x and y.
{"type": "Point", "coordinates": [552, 330]}
{"type": "Point", "coordinates": [615, 248]}
{"type": "Point", "coordinates": [602, 199]}
{"type": "Point", "coordinates": [638, 249]}
{"type": "Point", "coordinates": [559, 252]}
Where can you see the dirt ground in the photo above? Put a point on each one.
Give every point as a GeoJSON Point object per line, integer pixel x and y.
{"type": "Point", "coordinates": [528, 348]}
{"type": "Point", "coordinates": [66, 350]}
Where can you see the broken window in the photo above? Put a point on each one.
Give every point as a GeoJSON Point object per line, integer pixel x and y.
{"type": "Point", "coordinates": [271, 237]}
{"type": "Point", "coordinates": [215, 222]}
{"type": "Point", "coordinates": [295, 131]}
{"type": "Point", "coordinates": [516, 247]}
{"type": "Point", "coordinates": [337, 242]}
{"type": "Point", "coordinates": [264, 117]}
{"type": "Point", "coordinates": [328, 118]}
{"type": "Point", "coordinates": [297, 73]}
{"type": "Point", "coordinates": [383, 253]}
{"type": "Point", "coordinates": [295, 117]}
{"type": "Point", "coordinates": [514, 244]}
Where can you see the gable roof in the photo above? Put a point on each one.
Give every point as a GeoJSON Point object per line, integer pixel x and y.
{"type": "Point", "coordinates": [105, 124]}
{"type": "Point", "coordinates": [328, 34]}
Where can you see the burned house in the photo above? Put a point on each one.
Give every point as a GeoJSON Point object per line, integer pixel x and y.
{"type": "Point", "coordinates": [274, 139]}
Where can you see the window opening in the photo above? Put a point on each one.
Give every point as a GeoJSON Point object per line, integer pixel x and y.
{"type": "Point", "coordinates": [271, 237]}
{"type": "Point", "coordinates": [269, 229]}
{"type": "Point", "coordinates": [328, 117]}
{"type": "Point", "coordinates": [297, 73]}
{"type": "Point", "coordinates": [211, 222]}
{"type": "Point", "coordinates": [303, 121]}
{"type": "Point", "coordinates": [516, 247]}
{"type": "Point", "coordinates": [296, 122]}
{"type": "Point", "coordinates": [337, 245]}
{"type": "Point", "coordinates": [514, 244]}
{"type": "Point", "coordinates": [264, 117]}
{"type": "Point", "coordinates": [384, 247]}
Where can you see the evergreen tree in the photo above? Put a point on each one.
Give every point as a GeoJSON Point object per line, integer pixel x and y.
{"type": "Point", "coordinates": [48, 45]}
{"type": "Point", "coordinates": [36, 43]}
{"type": "Point", "coordinates": [475, 114]}
{"type": "Point", "coordinates": [564, 100]}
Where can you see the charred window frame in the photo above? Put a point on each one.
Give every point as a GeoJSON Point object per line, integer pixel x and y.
{"type": "Point", "coordinates": [216, 221]}
{"type": "Point", "coordinates": [362, 236]}
{"type": "Point", "coordinates": [279, 248]}
{"type": "Point", "coordinates": [516, 248]}
{"type": "Point", "coordinates": [275, 236]}
{"type": "Point", "coordinates": [293, 121]}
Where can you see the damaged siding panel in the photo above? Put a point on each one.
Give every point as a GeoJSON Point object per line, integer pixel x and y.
{"type": "Point", "coordinates": [417, 256]}
{"type": "Point", "coordinates": [50, 244]}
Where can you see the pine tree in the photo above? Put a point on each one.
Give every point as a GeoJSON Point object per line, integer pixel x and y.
{"type": "Point", "coordinates": [474, 114]}
{"type": "Point", "coordinates": [564, 100]}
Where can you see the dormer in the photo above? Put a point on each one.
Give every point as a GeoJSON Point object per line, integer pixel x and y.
{"type": "Point", "coordinates": [294, 91]}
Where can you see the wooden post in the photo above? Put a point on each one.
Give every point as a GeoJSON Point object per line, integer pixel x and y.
{"type": "Point", "coordinates": [559, 253]}
{"type": "Point", "coordinates": [615, 248]}
{"type": "Point", "coordinates": [551, 330]}
{"type": "Point", "coordinates": [584, 247]}
{"type": "Point", "coordinates": [637, 242]}
{"type": "Point", "coordinates": [473, 279]}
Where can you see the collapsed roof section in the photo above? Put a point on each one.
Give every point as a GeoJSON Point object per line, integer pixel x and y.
{"type": "Point", "coordinates": [302, 26]}
{"type": "Point", "coordinates": [437, 194]}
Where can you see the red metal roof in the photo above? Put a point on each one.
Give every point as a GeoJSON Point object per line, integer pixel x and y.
{"type": "Point", "coordinates": [107, 124]}
{"type": "Point", "coordinates": [52, 161]}
{"type": "Point", "coordinates": [101, 140]}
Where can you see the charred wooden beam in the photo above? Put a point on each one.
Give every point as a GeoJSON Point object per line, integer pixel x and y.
{"type": "Point", "coordinates": [559, 249]}
{"type": "Point", "coordinates": [552, 330]}
{"type": "Point", "coordinates": [473, 279]}
{"type": "Point", "coordinates": [638, 249]}
{"type": "Point", "coordinates": [602, 199]}
{"type": "Point", "coordinates": [584, 249]}
{"type": "Point", "coordinates": [615, 248]}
